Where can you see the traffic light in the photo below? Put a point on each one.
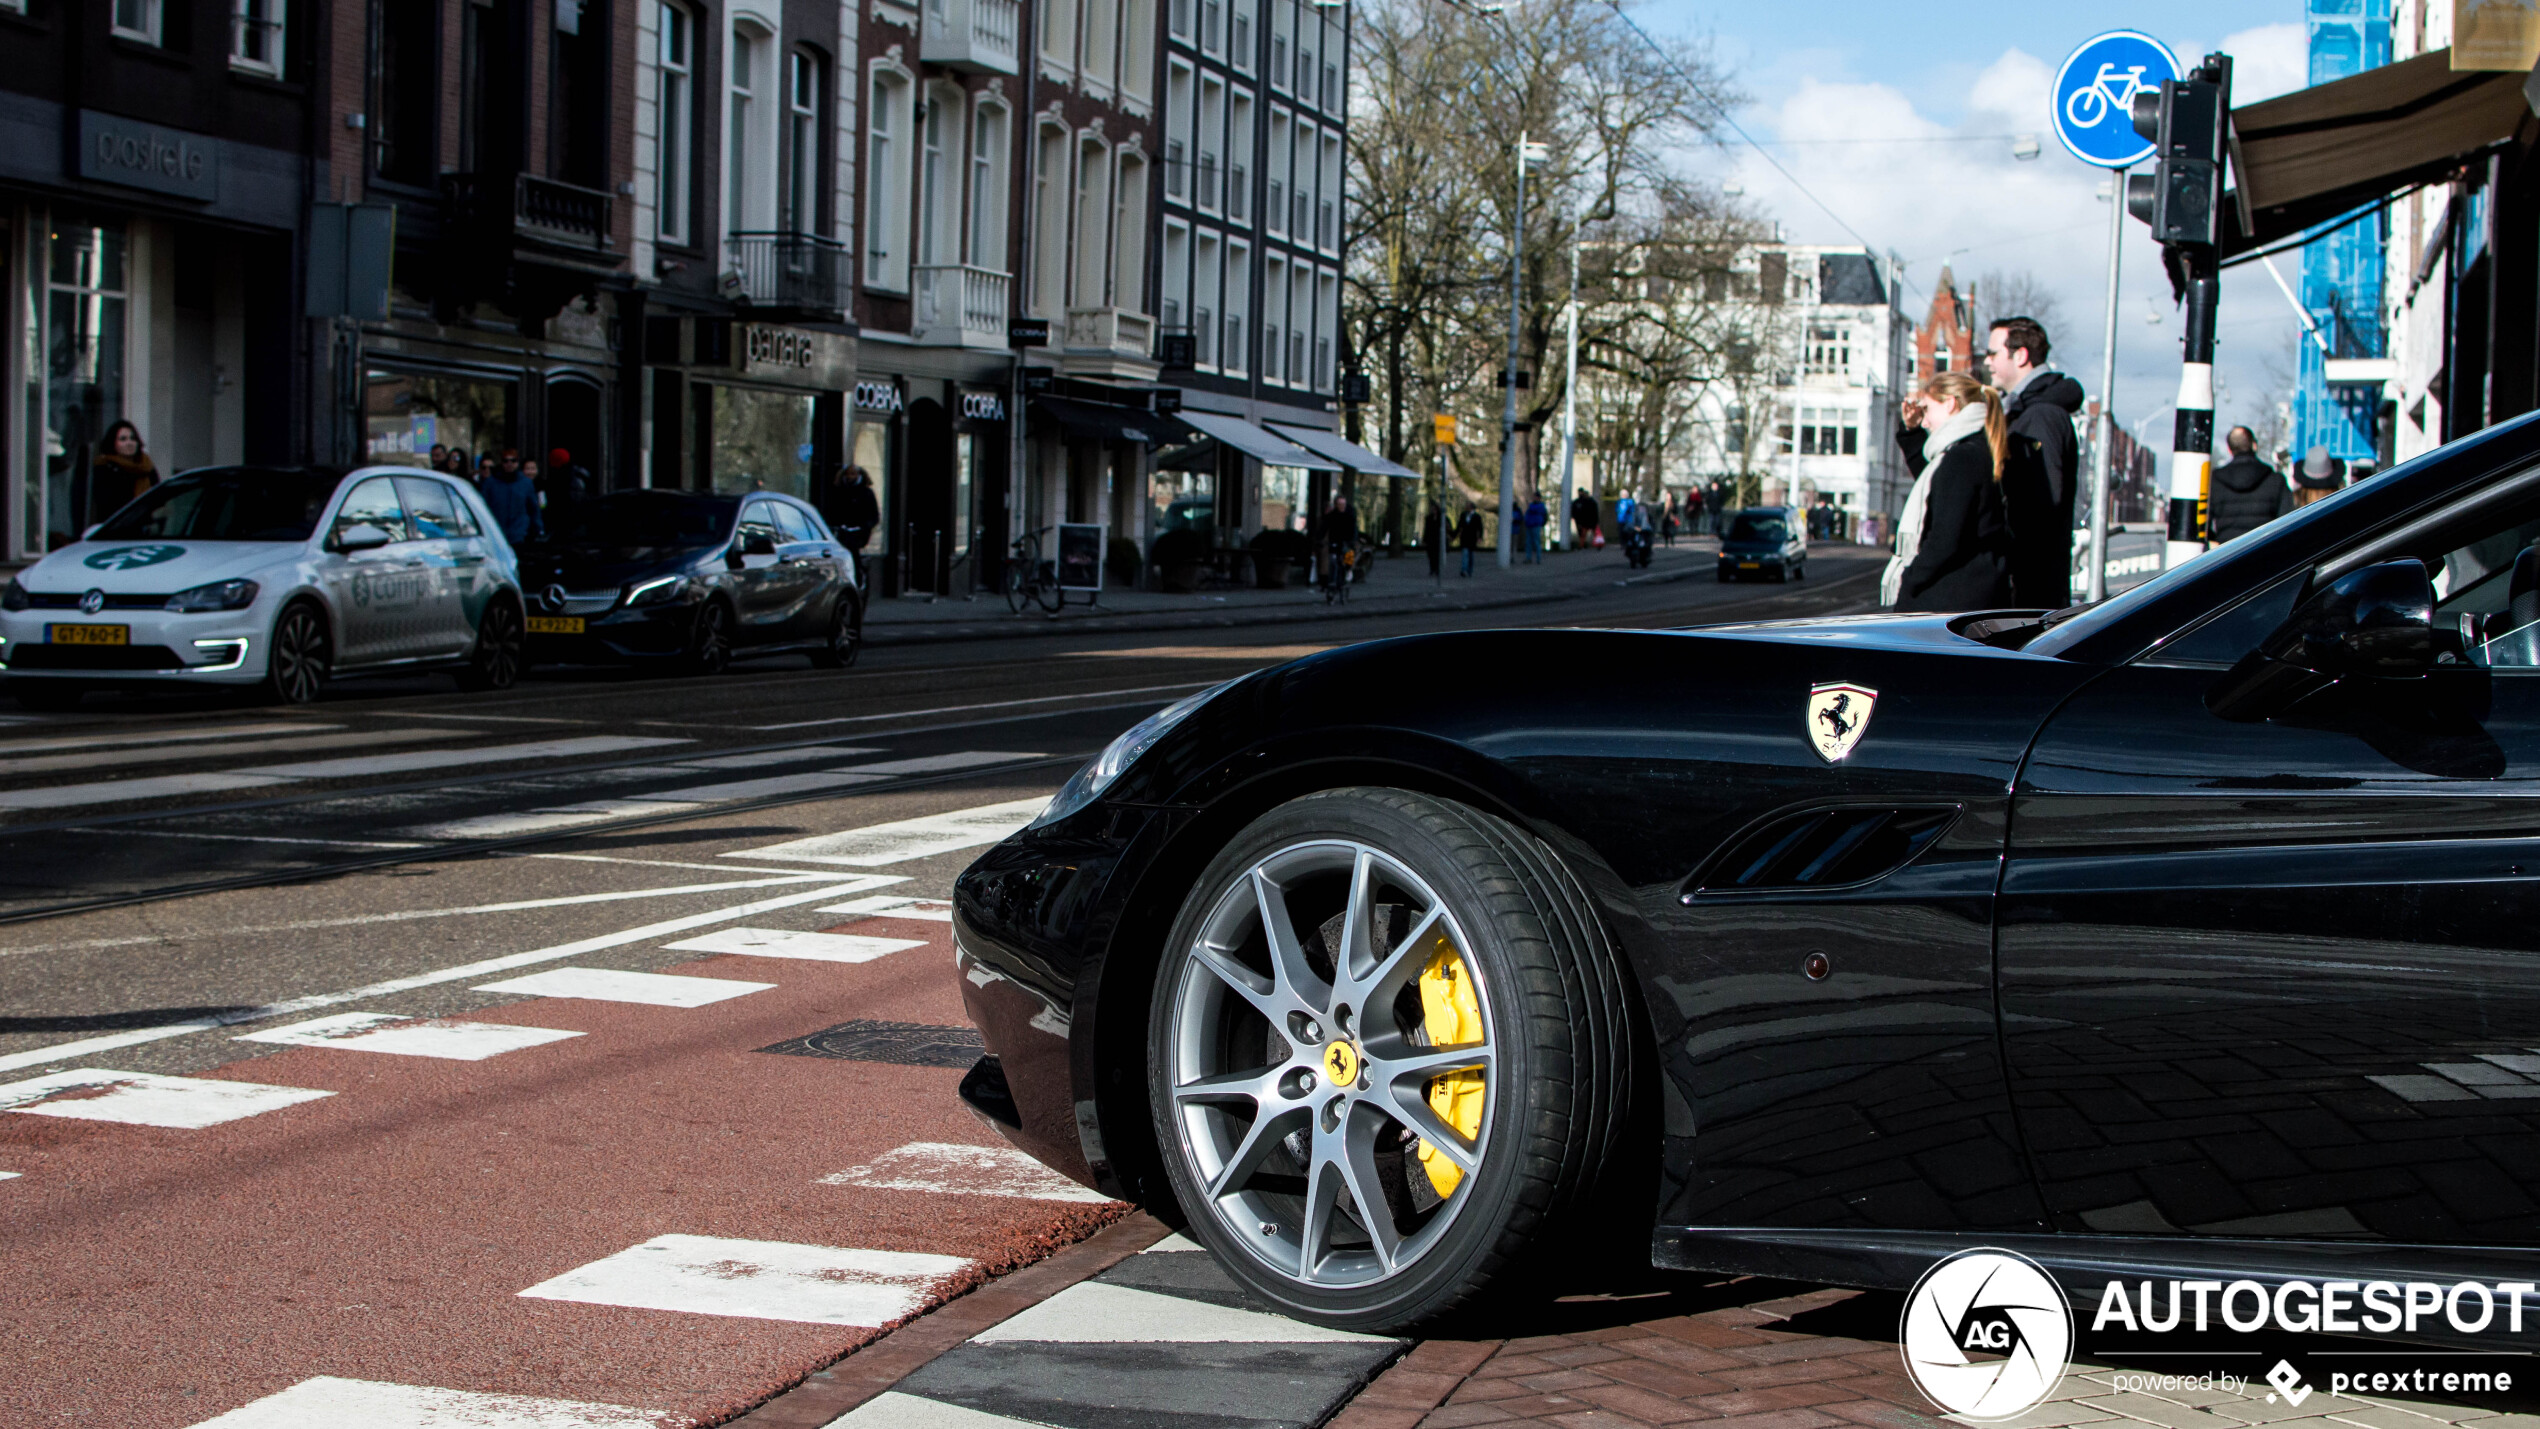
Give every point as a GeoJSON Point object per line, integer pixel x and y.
{"type": "Point", "coordinates": [2187, 119]}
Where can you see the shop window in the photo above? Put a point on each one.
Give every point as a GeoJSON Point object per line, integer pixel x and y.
{"type": "Point", "coordinates": [406, 414]}
{"type": "Point", "coordinates": [404, 119]}
{"type": "Point", "coordinates": [83, 375]}
{"type": "Point", "coordinates": [137, 20]}
{"type": "Point", "coordinates": [762, 440]}
{"type": "Point", "coordinates": [675, 169]}
{"type": "Point", "coordinates": [256, 35]}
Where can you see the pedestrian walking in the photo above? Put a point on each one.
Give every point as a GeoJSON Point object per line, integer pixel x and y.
{"type": "Point", "coordinates": [1624, 506]}
{"type": "Point", "coordinates": [1583, 520]}
{"type": "Point", "coordinates": [2321, 475]}
{"type": "Point", "coordinates": [440, 458]}
{"type": "Point", "coordinates": [1715, 504]}
{"type": "Point", "coordinates": [2247, 493]}
{"type": "Point", "coordinates": [484, 470]}
{"type": "Point", "coordinates": [2039, 403]}
{"type": "Point", "coordinates": [121, 473]}
{"type": "Point", "coordinates": [511, 496]}
{"type": "Point", "coordinates": [1953, 544]}
{"type": "Point", "coordinates": [567, 485]}
{"type": "Point", "coordinates": [1468, 533]}
{"type": "Point", "coordinates": [1667, 523]}
{"type": "Point", "coordinates": [1535, 516]}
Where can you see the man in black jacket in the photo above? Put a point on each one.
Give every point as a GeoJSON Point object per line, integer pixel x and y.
{"type": "Point", "coordinates": [2247, 493]}
{"type": "Point", "coordinates": [2039, 484]}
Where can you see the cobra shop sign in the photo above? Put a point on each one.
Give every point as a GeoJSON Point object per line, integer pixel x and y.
{"type": "Point", "coordinates": [982, 407]}
{"type": "Point", "coordinates": [882, 397]}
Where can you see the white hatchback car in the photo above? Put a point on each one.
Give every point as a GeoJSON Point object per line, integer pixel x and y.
{"type": "Point", "coordinates": [274, 577]}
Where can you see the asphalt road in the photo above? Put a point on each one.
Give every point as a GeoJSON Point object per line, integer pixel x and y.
{"type": "Point", "coordinates": [595, 1041]}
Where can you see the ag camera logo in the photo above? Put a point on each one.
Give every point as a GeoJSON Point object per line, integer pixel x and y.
{"type": "Point", "coordinates": [1986, 1334]}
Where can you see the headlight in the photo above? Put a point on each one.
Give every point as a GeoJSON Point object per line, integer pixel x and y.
{"type": "Point", "coordinates": [13, 596]}
{"type": "Point", "coordinates": [661, 590]}
{"type": "Point", "coordinates": [219, 595]}
{"type": "Point", "coordinates": [1087, 784]}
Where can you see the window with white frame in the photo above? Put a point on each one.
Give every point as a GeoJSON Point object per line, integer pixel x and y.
{"type": "Point", "coordinates": [255, 36]}
{"type": "Point", "coordinates": [887, 170]}
{"type": "Point", "coordinates": [1211, 17]}
{"type": "Point", "coordinates": [1093, 218]}
{"type": "Point", "coordinates": [1301, 53]}
{"type": "Point", "coordinates": [1327, 211]}
{"type": "Point", "coordinates": [749, 172]}
{"type": "Point", "coordinates": [1274, 208]}
{"type": "Point", "coordinates": [1058, 31]}
{"type": "Point", "coordinates": [1129, 234]}
{"type": "Point", "coordinates": [1137, 50]}
{"type": "Point", "coordinates": [1335, 54]}
{"type": "Point", "coordinates": [1177, 18]}
{"type": "Point", "coordinates": [1239, 34]}
{"type": "Point", "coordinates": [1238, 302]}
{"type": "Point", "coordinates": [1049, 222]}
{"type": "Point", "coordinates": [1100, 63]}
{"type": "Point", "coordinates": [1212, 138]}
{"type": "Point", "coordinates": [1238, 155]}
{"type": "Point", "coordinates": [1327, 318]}
{"type": "Point", "coordinates": [1301, 187]}
{"type": "Point", "coordinates": [1274, 302]}
{"type": "Point", "coordinates": [938, 182]}
{"type": "Point", "coordinates": [675, 175]}
{"type": "Point", "coordinates": [1180, 91]}
{"type": "Point", "coordinates": [800, 201]}
{"type": "Point", "coordinates": [1829, 431]}
{"type": "Point", "coordinates": [1829, 349]}
{"type": "Point", "coordinates": [1174, 309]}
{"type": "Point", "coordinates": [137, 20]}
{"type": "Point", "coordinates": [1301, 321]}
{"type": "Point", "coordinates": [987, 187]}
{"type": "Point", "coordinates": [1205, 303]}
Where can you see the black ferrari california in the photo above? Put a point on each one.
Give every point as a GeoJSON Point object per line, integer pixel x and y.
{"type": "Point", "coordinates": [2196, 929]}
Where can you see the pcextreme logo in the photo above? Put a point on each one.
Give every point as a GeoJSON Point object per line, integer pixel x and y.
{"type": "Point", "coordinates": [1986, 1334]}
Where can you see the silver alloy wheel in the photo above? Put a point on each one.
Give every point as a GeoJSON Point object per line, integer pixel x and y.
{"type": "Point", "coordinates": [1300, 1074]}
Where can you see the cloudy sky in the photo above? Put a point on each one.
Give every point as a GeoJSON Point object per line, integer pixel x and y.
{"type": "Point", "coordinates": [1895, 116]}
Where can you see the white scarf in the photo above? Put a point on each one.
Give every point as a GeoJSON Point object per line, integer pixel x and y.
{"type": "Point", "coordinates": [1967, 421]}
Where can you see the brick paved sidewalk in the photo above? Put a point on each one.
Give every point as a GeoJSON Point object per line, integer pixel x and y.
{"type": "Point", "coordinates": [1770, 1359]}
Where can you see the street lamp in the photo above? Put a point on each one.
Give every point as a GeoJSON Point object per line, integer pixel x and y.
{"type": "Point", "coordinates": [1528, 154]}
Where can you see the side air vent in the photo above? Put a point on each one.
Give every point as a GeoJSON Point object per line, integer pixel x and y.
{"type": "Point", "coordinates": [1820, 849]}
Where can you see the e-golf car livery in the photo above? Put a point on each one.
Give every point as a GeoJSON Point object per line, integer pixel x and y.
{"type": "Point", "coordinates": [269, 576]}
{"type": "Point", "coordinates": [2193, 935]}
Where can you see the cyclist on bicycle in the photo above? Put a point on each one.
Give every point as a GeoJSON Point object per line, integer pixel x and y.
{"type": "Point", "coordinates": [1339, 539]}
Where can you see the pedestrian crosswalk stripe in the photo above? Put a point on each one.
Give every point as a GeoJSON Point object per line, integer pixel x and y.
{"type": "Point", "coordinates": [125, 757]}
{"type": "Point", "coordinates": [894, 1410]}
{"type": "Point", "coordinates": [759, 1280]}
{"type": "Point", "coordinates": [146, 1099]}
{"type": "Point", "coordinates": [949, 1168]}
{"type": "Point", "coordinates": [410, 1036]}
{"type": "Point", "coordinates": [193, 734]}
{"type": "Point", "coordinates": [117, 791]}
{"type": "Point", "coordinates": [1090, 1312]}
{"type": "Point", "coordinates": [612, 985]}
{"type": "Point", "coordinates": [441, 760]}
{"type": "Point", "coordinates": [931, 910]}
{"type": "Point", "coordinates": [785, 943]}
{"type": "Point", "coordinates": [759, 758]}
{"type": "Point", "coordinates": [770, 786]}
{"type": "Point", "coordinates": [330, 1403]}
{"type": "Point", "coordinates": [905, 839]}
{"type": "Point", "coordinates": [540, 821]}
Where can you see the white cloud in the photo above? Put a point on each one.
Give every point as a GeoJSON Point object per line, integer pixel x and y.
{"type": "Point", "coordinates": [2268, 60]}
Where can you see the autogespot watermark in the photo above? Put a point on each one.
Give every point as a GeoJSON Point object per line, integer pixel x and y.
{"type": "Point", "coordinates": [1987, 1335]}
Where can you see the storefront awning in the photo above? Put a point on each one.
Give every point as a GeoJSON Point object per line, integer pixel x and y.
{"type": "Point", "coordinates": [2308, 156]}
{"type": "Point", "coordinates": [1341, 449]}
{"type": "Point", "coordinates": [1253, 442]}
{"type": "Point", "coordinates": [1093, 421]}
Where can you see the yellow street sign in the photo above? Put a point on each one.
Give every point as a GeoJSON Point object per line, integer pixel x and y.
{"type": "Point", "coordinates": [1445, 424]}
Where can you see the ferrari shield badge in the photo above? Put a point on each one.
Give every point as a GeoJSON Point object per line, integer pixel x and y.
{"type": "Point", "coordinates": [1837, 714]}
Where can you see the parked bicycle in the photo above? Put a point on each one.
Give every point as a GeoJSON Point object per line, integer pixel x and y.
{"type": "Point", "coordinates": [1030, 580]}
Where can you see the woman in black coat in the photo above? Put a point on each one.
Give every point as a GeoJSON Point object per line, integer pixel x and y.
{"type": "Point", "coordinates": [1953, 540]}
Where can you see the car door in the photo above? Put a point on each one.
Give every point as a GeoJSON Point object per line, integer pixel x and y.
{"type": "Point", "coordinates": [759, 580]}
{"type": "Point", "coordinates": [2281, 978]}
{"type": "Point", "coordinates": [378, 593]}
{"type": "Point", "coordinates": [444, 540]}
{"type": "Point", "coordinates": [813, 561]}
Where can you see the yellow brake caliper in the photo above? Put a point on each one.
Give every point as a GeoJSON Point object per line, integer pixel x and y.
{"type": "Point", "coordinates": [1452, 1016]}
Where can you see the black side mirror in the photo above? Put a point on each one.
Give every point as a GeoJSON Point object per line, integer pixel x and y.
{"type": "Point", "coordinates": [2375, 623]}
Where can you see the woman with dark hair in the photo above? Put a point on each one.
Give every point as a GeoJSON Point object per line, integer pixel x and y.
{"type": "Point", "coordinates": [121, 473]}
{"type": "Point", "coordinates": [1953, 539]}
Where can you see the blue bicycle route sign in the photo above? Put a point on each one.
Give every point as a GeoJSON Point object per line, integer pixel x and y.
{"type": "Point", "coordinates": [2094, 96]}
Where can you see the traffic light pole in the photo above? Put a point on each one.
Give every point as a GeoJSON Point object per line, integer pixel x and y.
{"type": "Point", "coordinates": [2189, 122]}
{"type": "Point", "coordinates": [2192, 434]}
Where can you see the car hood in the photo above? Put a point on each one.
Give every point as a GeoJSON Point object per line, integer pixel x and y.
{"type": "Point", "coordinates": [600, 567]}
{"type": "Point", "coordinates": [151, 567]}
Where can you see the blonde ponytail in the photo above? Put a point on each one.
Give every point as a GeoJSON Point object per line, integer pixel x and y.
{"type": "Point", "coordinates": [1959, 388]}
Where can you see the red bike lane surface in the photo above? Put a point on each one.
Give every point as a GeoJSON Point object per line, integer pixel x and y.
{"type": "Point", "coordinates": [159, 1276]}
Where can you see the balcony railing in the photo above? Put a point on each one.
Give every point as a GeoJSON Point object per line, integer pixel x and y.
{"type": "Point", "coordinates": [527, 208]}
{"type": "Point", "coordinates": [974, 35]}
{"type": "Point", "coordinates": [796, 272]}
{"type": "Point", "coordinates": [960, 306]}
{"type": "Point", "coordinates": [1114, 332]}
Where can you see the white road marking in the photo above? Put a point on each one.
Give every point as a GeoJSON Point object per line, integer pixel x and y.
{"type": "Point", "coordinates": [941, 763]}
{"type": "Point", "coordinates": [776, 878]}
{"type": "Point", "coordinates": [1268, 653]}
{"type": "Point", "coordinates": [440, 760]}
{"type": "Point", "coordinates": [1171, 1244]}
{"type": "Point", "coordinates": [758, 1280]}
{"type": "Point", "coordinates": [10, 1175]}
{"type": "Point", "coordinates": [905, 839]}
{"type": "Point", "coordinates": [145, 1099]}
{"type": "Point", "coordinates": [443, 1037]}
{"type": "Point", "coordinates": [894, 1409]}
{"type": "Point", "coordinates": [330, 1403]}
{"type": "Point", "coordinates": [988, 705]}
{"type": "Point", "coordinates": [539, 821]}
{"type": "Point", "coordinates": [949, 1168]}
{"type": "Point", "coordinates": [612, 985]}
{"type": "Point", "coordinates": [86, 1046]}
{"type": "Point", "coordinates": [196, 734]}
{"type": "Point", "coordinates": [1092, 1313]}
{"type": "Point", "coordinates": [481, 718]}
{"type": "Point", "coordinates": [883, 905]}
{"type": "Point", "coordinates": [767, 787]}
{"type": "Point", "coordinates": [125, 833]}
{"type": "Point", "coordinates": [644, 862]}
{"type": "Point", "coordinates": [798, 754]}
{"type": "Point", "coordinates": [694, 796]}
{"type": "Point", "coordinates": [127, 756]}
{"type": "Point", "coordinates": [116, 791]}
{"type": "Point", "coordinates": [784, 943]}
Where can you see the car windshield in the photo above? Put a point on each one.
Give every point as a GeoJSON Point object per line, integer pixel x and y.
{"type": "Point", "coordinates": [1750, 526]}
{"type": "Point", "coordinates": [626, 522]}
{"type": "Point", "coordinates": [226, 504]}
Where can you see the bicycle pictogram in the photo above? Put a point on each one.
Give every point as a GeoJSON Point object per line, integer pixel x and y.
{"type": "Point", "coordinates": [2111, 91]}
{"type": "Point", "coordinates": [2093, 97]}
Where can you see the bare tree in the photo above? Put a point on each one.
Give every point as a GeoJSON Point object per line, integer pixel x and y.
{"type": "Point", "coordinates": [2019, 293]}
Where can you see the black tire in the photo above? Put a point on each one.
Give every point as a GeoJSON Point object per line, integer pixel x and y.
{"type": "Point", "coordinates": [1560, 1022]}
{"type": "Point", "coordinates": [47, 695]}
{"type": "Point", "coordinates": [502, 650]}
{"type": "Point", "coordinates": [709, 640]}
{"type": "Point", "coordinates": [1015, 594]}
{"type": "Point", "coordinates": [297, 660]}
{"type": "Point", "coordinates": [1046, 591]}
{"type": "Point", "coordinates": [1799, 572]}
{"type": "Point", "coordinates": [846, 634]}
